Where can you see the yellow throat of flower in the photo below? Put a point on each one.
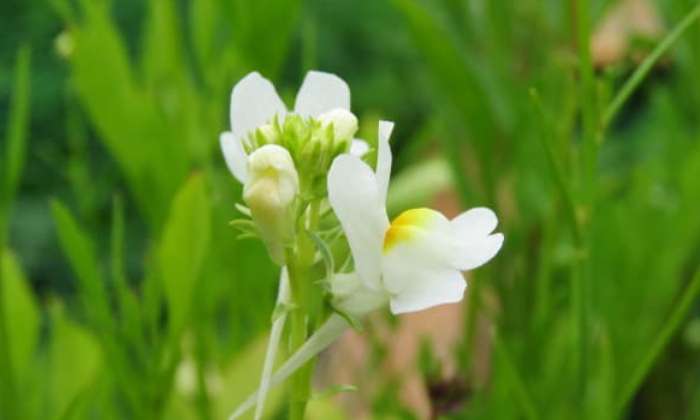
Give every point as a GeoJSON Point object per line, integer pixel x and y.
{"type": "Point", "coordinates": [406, 226]}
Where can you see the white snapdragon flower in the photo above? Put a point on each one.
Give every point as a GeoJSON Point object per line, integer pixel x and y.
{"type": "Point", "coordinates": [255, 104]}
{"type": "Point", "coordinates": [414, 262]}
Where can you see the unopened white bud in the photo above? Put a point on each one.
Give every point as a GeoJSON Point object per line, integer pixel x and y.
{"type": "Point", "coordinates": [272, 187]}
{"type": "Point", "coordinates": [344, 123]}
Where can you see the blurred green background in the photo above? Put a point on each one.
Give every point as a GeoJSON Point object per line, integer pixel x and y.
{"type": "Point", "coordinates": [125, 294]}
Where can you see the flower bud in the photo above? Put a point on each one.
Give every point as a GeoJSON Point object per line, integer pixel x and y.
{"type": "Point", "coordinates": [270, 192]}
{"type": "Point", "coordinates": [344, 124]}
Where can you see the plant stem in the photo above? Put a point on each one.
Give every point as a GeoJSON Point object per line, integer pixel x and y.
{"type": "Point", "coordinates": [588, 179]}
{"type": "Point", "coordinates": [299, 262]}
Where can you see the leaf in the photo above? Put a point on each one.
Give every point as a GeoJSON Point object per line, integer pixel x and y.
{"type": "Point", "coordinates": [17, 124]}
{"type": "Point", "coordinates": [21, 315]}
{"type": "Point", "coordinates": [265, 50]}
{"type": "Point", "coordinates": [238, 376]}
{"type": "Point", "coordinates": [80, 251]}
{"type": "Point", "coordinates": [183, 248]}
{"type": "Point", "coordinates": [273, 345]}
{"type": "Point", "coordinates": [333, 328]}
{"type": "Point", "coordinates": [75, 359]}
{"type": "Point", "coordinates": [326, 255]}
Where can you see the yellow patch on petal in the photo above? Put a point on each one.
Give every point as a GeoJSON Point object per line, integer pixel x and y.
{"type": "Point", "coordinates": [407, 225]}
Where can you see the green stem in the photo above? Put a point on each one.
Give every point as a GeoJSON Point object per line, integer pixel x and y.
{"type": "Point", "coordinates": [674, 322]}
{"type": "Point", "coordinates": [641, 72]}
{"type": "Point", "coordinates": [589, 161]}
{"type": "Point", "coordinates": [299, 262]}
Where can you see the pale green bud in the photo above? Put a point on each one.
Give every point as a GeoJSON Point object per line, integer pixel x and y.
{"type": "Point", "coordinates": [270, 192]}
{"type": "Point", "coordinates": [344, 124]}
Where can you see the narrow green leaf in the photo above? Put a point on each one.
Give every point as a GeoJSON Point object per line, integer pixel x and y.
{"type": "Point", "coordinates": [21, 315]}
{"type": "Point", "coordinates": [643, 70]}
{"type": "Point", "coordinates": [333, 328]}
{"type": "Point", "coordinates": [80, 251]}
{"type": "Point", "coordinates": [16, 138]}
{"type": "Point", "coordinates": [326, 255]}
{"type": "Point", "coordinates": [75, 359]}
{"type": "Point", "coordinates": [183, 247]}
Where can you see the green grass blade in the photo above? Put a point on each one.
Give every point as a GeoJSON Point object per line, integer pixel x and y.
{"type": "Point", "coordinates": [80, 251]}
{"type": "Point", "coordinates": [643, 70]}
{"type": "Point", "coordinates": [669, 329]}
{"type": "Point", "coordinates": [16, 138]}
{"type": "Point", "coordinates": [522, 396]}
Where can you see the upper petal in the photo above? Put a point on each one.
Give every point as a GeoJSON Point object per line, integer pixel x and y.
{"type": "Point", "coordinates": [472, 232]}
{"type": "Point", "coordinates": [475, 253]}
{"type": "Point", "coordinates": [384, 157]}
{"type": "Point", "coordinates": [475, 223]}
{"type": "Point", "coordinates": [321, 92]}
{"type": "Point", "coordinates": [254, 102]}
{"type": "Point", "coordinates": [353, 195]}
{"type": "Point", "coordinates": [235, 156]}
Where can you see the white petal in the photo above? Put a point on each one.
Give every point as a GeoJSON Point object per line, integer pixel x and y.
{"type": "Point", "coordinates": [418, 265]}
{"type": "Point", "coordinates": [359, 148]}
{"type": "Point", "coordinates": [353, 195]}
{"type": "Point", "coordinates": [472, 231]}
{"type": "Point", "coordinates": [351, 295]}
{"type": "Point", "coordinates": [321, 92]}
{"type": "Point", "coordinates": [476, 253]}
{"type": "Point", "coordinates": [254, 102]}
{"type": "Point", "coordinates": [384, 157]}
{"type": "Point", "coordinates": [235, 156]}
{"type": "Point", "coordinates": [475, 223]}
{"type": "Point", "coordinates": [443, 286]}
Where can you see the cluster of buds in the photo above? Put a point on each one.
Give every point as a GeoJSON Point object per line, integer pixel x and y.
{"type": "Point", "coordinates": [282, 158]}
{"type": "Point", "coordinates": [311, 142]}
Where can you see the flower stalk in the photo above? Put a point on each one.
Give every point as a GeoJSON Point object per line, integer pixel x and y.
{"type": "Point", "coordinates": [299, 261]}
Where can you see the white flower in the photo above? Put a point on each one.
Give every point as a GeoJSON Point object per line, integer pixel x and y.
{"type": "Point", "coordinates": [270, 191]}
{"type": "Point", "coordinates": [255, 103]}
{"type": "Point", "coordinates": [415, 261]}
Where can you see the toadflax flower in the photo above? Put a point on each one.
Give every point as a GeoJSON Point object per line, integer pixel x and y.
{"type": "Point", "coordinates": [280, 155]}
{"type": "Point", "coordinates": [414, 262]}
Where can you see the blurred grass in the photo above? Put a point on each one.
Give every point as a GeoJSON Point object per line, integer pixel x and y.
{"type": "Point", "coordinates": [162, 312]}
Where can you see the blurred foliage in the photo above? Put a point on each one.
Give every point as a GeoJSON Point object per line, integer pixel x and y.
{"type": "Point", "coordinates": [124, 294]}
